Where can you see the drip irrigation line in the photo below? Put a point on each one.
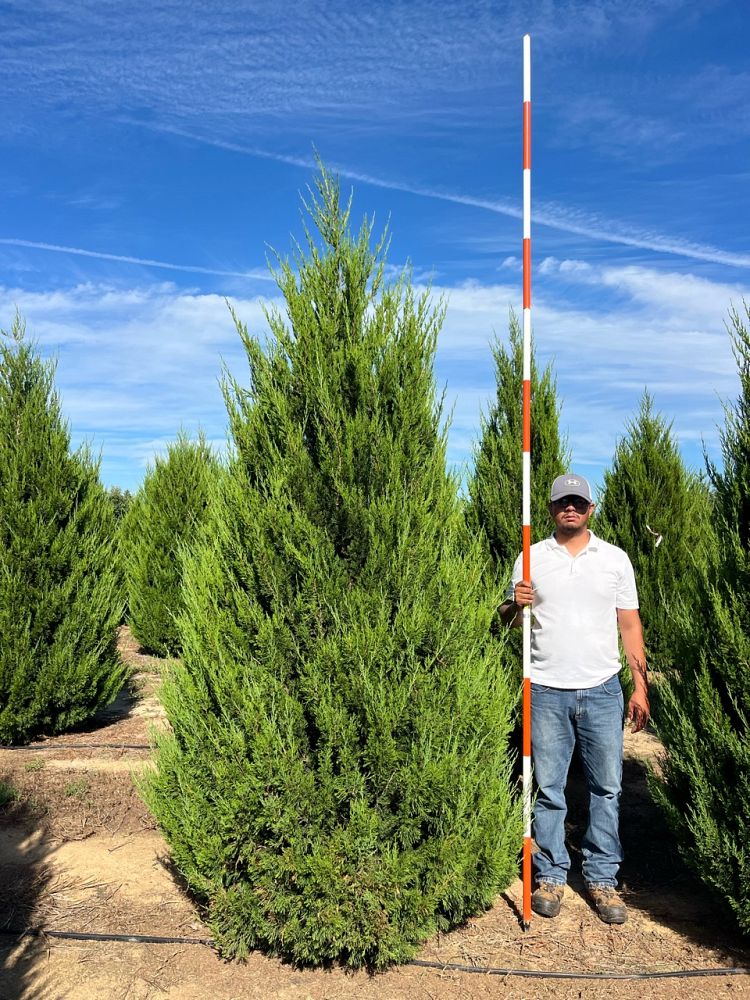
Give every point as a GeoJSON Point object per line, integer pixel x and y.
{"type": "Point", "coordinates": [732, 970]}
{"type": "Point", "coordinates": [490, 970]}
{"type": "Point", "coordinates": [81, 746]}
{"type": "Point", "coordinates": [93, 936]}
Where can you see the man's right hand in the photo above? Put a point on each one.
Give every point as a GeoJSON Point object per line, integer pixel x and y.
{"type": "Point", "coordinates": [524, 593]}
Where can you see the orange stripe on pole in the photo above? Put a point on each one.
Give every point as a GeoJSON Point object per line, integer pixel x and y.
{"type": "Point", "coordinates": [527, 274]}
{"type": "Point", "coordinates": [526, 135]}
{"type": "Point", "coordinates": [527, 880]}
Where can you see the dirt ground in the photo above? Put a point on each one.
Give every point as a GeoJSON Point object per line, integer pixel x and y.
{"type": "Point", "coordinates": [80, 852]}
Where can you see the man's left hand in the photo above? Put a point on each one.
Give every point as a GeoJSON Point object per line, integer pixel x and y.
{"type": "Point", "coordinates": [639, 711]}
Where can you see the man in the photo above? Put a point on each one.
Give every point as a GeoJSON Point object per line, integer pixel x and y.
{"type": "Point", "coordinates": [582, 589]}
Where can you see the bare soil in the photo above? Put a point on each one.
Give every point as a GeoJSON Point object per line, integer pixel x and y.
{"type": "Point", "coordinates": [80, 852]}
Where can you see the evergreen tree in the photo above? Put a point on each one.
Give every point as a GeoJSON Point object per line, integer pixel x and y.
{"type": "Point", "coordinates": [60, 590]}
{"type": "Point", "coordinates": [121, 501]}
{"type": "Point", "coordinates": [702, 708]}
{"type": "Point", "coordinates": [164, 518]}
{"type": "Point", "coordinates": [659, 512]}
{"type": "Point", "coordinates": [337, 783]}
{"type": "Point", "coordinates": [496, 486]}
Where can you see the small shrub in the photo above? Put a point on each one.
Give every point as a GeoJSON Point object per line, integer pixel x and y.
{"type": "Point", "coordinates": [76, 789]}
{"type": "Point", "coordinates": [8, 794]}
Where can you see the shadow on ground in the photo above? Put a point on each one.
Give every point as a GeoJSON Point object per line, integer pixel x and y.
{"type": "Point", "coordinates": [654, 878]}
{"type": "Point", "coordinates": [27, 889]}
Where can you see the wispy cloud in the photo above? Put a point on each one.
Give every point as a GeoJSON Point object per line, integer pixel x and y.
{"type": "Point", "coordinates": [593, 227]}
{"type": "Point", "coordinates": [136, 364]}
{"type": "Point", "coordinates": [255, 274]}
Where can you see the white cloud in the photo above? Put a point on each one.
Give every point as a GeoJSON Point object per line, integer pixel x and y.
{"type": "Point", "coordinates": [135, 365]}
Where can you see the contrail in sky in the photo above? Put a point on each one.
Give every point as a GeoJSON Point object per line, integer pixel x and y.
{"type": "Point", "coordinates": [579, 224]}
{"type": "Point", "coordinates": [122, 259]}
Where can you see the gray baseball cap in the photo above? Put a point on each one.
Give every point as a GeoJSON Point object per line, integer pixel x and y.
{"type": "Point", "coordinates": [571, 485]}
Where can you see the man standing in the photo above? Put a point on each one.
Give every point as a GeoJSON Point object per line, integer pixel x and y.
{"type": "Point", "coordinates": [582, 589]}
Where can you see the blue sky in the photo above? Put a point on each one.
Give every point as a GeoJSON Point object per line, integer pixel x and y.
{"type": "Point", "coordinates": [151, 152]}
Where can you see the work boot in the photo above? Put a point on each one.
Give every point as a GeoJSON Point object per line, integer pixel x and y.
{"type": "Point", "coordinates": [608, 903]}
{"type": "Point", "coordinates": [546, 899]}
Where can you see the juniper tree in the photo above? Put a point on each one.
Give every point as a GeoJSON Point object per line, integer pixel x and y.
{"type": "Point", "coordinates": [496, 484]}
{"type": "Point", "coordinates": [702, 707]}
{"type": "Point", "coordinates": [163, 519]}
{"type": "Point", "coordinates": [60, 589]}
{"type": "Point", "coordinates": [121, 501]}
{"type": "Point", "coordinates": [336, 785]}
{"type": "Point", "coordinates": [659, 512]}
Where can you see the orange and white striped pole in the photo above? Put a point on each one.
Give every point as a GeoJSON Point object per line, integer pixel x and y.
{"type": "Point", "coordinates": [526, 500]}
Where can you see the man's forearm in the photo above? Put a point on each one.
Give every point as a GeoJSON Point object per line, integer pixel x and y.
{"type": "Point", "coordinates": [635, 654]}
{"type": "Point", "coordinates": [637, 663]}
{"type": "Point", "coordinates": [635, 651]}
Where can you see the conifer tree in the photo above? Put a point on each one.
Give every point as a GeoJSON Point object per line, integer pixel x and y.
{"type": "Point", "coordinates": [337, 783]}
{"type": "Point", "coordinates": [60, 589]}
{"type": "Point", "coordinates": [702, 708]}
{"type": "Point", "coordinates": [496, 485]}
{"type": "Point", "coordinates": [165, 517]}
{"type": "Point", "coordinates": [121, 501]}
{"type": "Point", "coordinates": [659, 512]}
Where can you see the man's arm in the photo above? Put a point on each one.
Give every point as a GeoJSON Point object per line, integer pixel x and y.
{"type": "Point", "coordinates": [511, 612]}
{"type": "Point", "coordinates": [631, 631]}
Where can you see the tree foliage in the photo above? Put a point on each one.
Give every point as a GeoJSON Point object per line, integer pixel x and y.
{"type": "Point", "coordinates": [702, 708]}
{"type": "Point", "coordinates": [337, 784]}
{"type": "Point", "coordinates": [496, 486]}
{"type": "Point", "coordinates": [163, 520]}
{"type": "Point", "coordinates": [121, 501]}
{"type": "Point", "coordinates": [659, 512]}
{"type": "Point", "coordinates": [60, 589]}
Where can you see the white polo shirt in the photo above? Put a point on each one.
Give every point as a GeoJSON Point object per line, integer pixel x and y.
{"type": "Point", "coordinates": [574, 642]}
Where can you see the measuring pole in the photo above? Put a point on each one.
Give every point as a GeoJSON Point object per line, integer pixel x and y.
{"type": "Point", "coordinates": [526, 558]}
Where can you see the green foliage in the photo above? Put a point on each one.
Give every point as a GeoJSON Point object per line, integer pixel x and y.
{"type": "Point", "coordinates": [163, 519]}
{"type": "Point", "coordinates": [60, 590]}
{"type": "Point", "coordinates": [337, 783]}
{"type": "Point", "coordinates": [659, 512]}
{"type": "Point", "coordinates": [8, 794]}
{"type": "Point", "coordinates": [121, 501]}
{"type": "Point", "coordinates": [496, 486]}
{"type": "Point", "coordinates": [702, 709]}
{"type": "Point", "coordinates": [76, 789]}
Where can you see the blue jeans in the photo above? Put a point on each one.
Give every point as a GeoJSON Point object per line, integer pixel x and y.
{"type": "Point", "coordinates": [592, 717]}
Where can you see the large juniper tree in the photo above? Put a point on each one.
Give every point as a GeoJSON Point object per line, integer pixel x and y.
{"type": "Point", "coordinates": [60, 589]}
{"type": "Point", "coordinates": [337, 783]}
{"type": "Point", "coordinates": [495, 487]}
{"type": "Point", "coordinates": [702, 708]}
{"type": "Point", "coordinates": [164, 519]}
{"type": "Point", "coordinates": [659, 512]}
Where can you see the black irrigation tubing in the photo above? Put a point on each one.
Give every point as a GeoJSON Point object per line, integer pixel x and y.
{"type": "Point", "coordinates": [421, 963]}
{"type": "Point", "coordinates": [93, 936]}
{"type": "Point", "coordinates": [81, 746]}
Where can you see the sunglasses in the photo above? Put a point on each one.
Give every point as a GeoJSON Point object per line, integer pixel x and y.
{"type": "Point", "coordinates": [580, 504]}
